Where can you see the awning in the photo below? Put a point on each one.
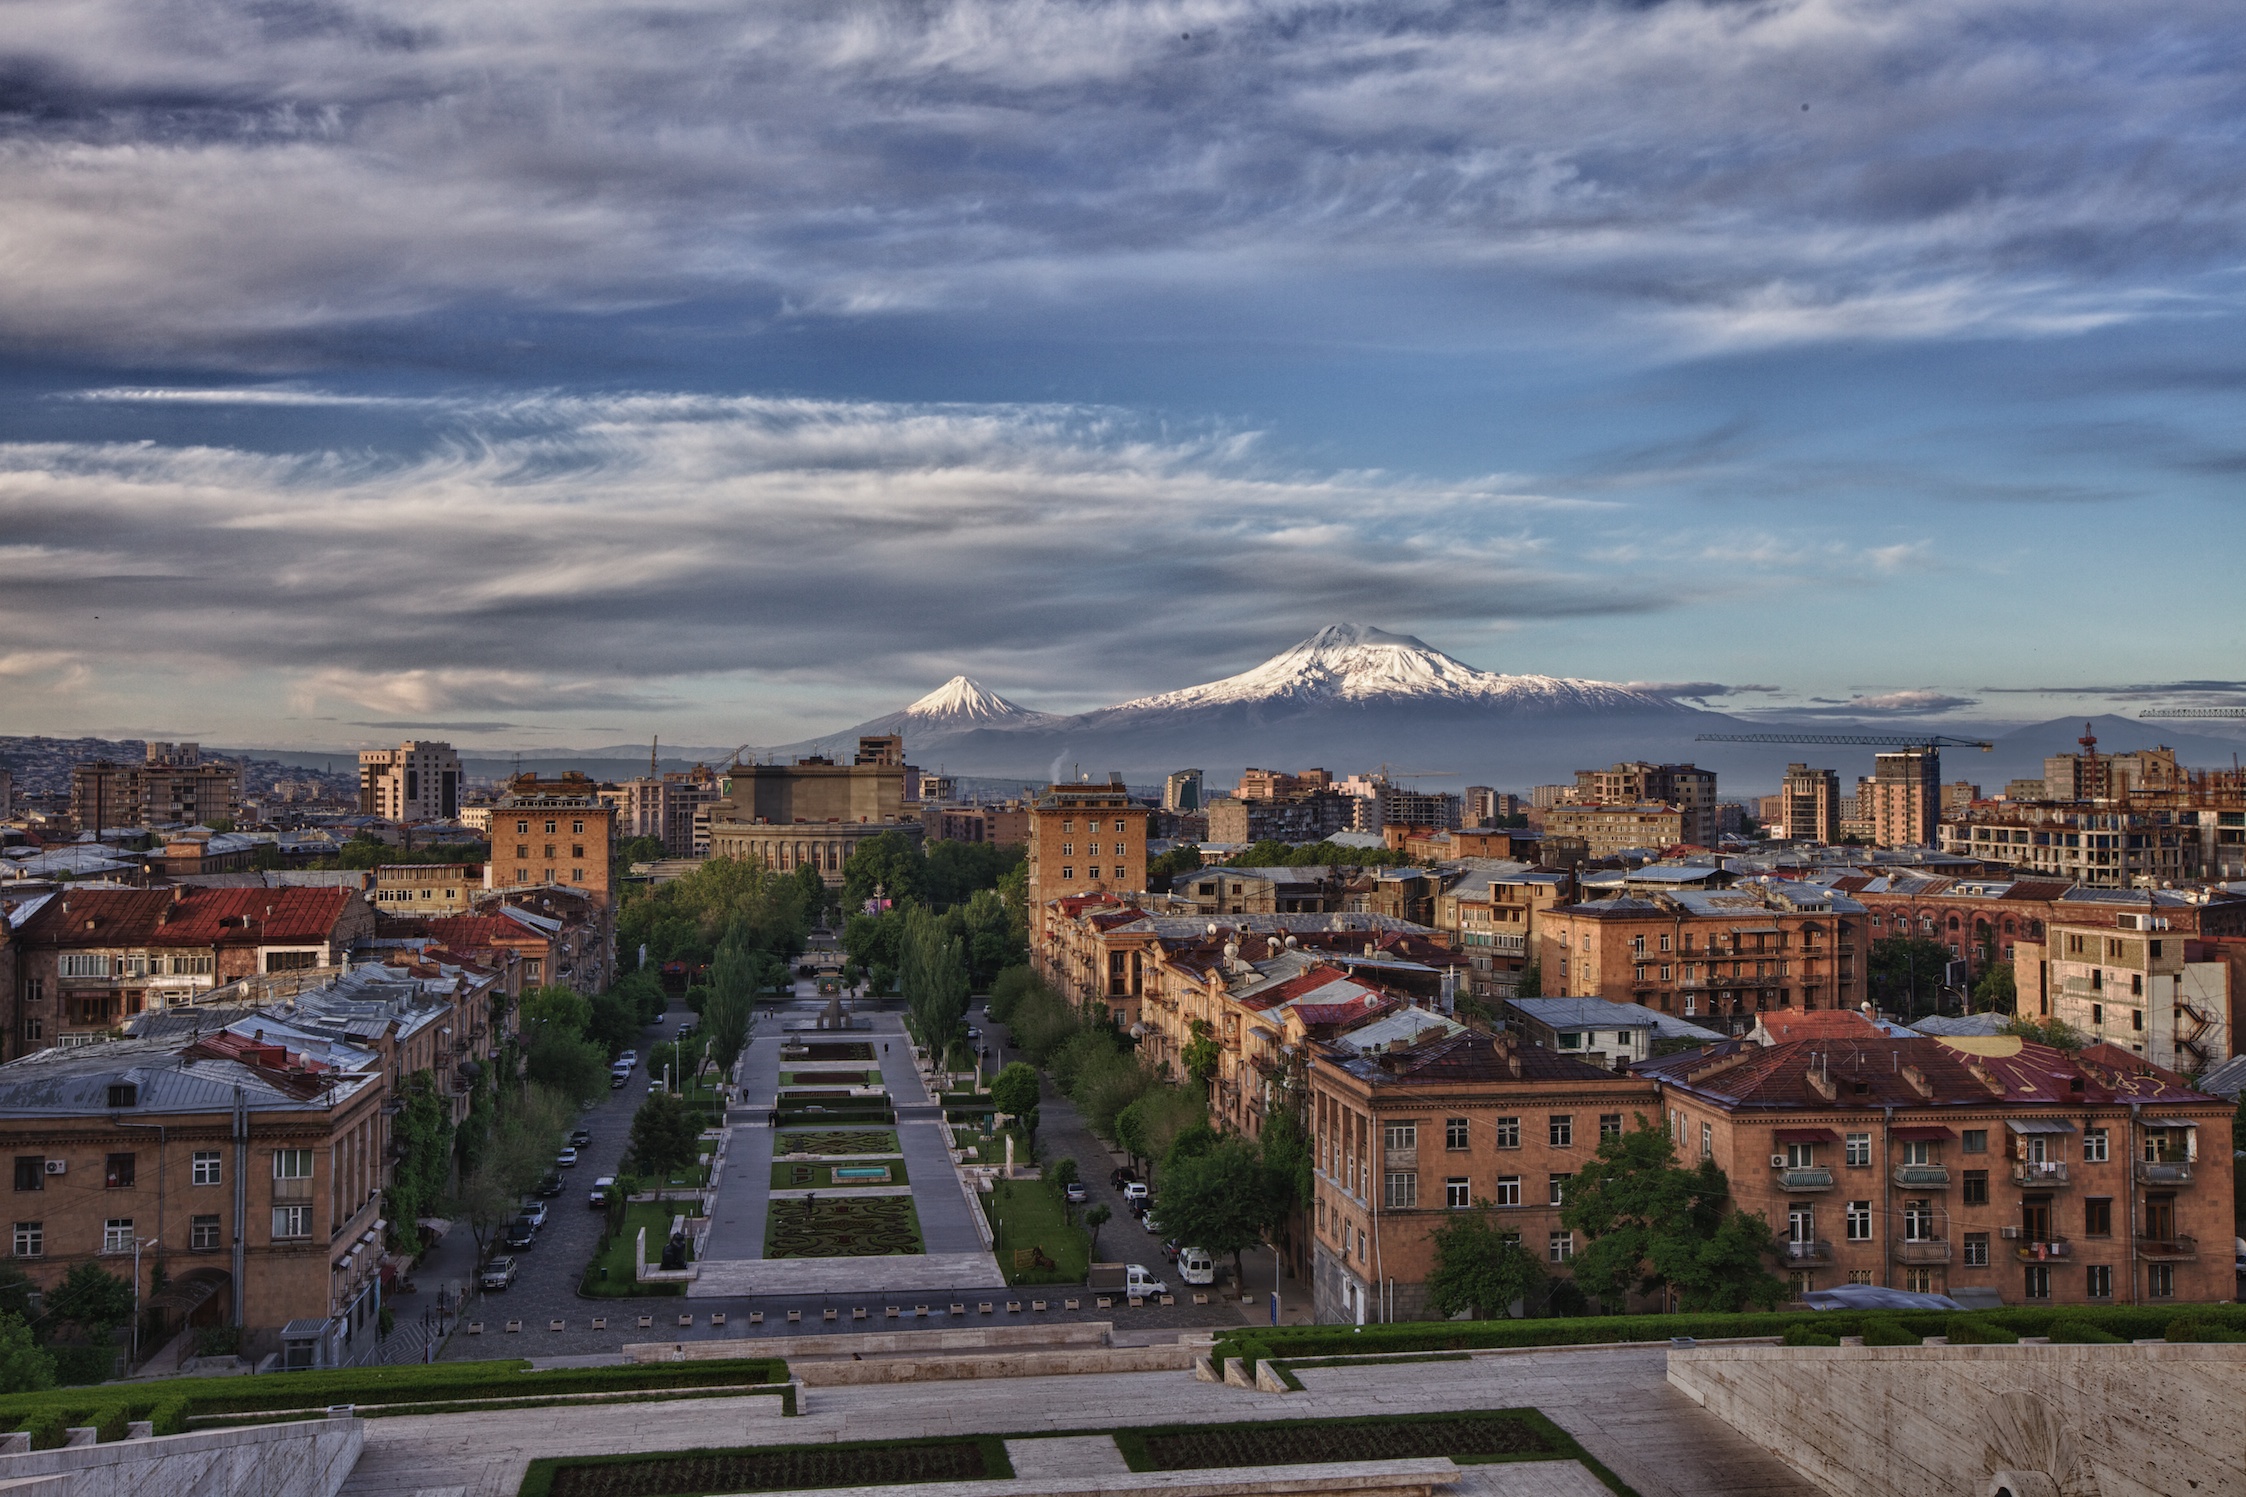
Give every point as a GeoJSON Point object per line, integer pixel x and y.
{"type": "Point", "coordinates": [2038, 1125]}
{"type": "Point", "coordinates": [190, 1289]}
{"type": "Point", "coordinates": [1922, 1134]}
{"type": "Point", "coordinates": [2171, 1122]}
{"type": "Point", "coordinates": [1806, 1136]}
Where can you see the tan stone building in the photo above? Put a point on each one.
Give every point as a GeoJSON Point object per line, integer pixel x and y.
{"type": "Point", "coordinates": [1691, 789]}
{"type": "Point", "coordinates": [812, 813]}
{"type": "Point", "coordinates": [1984, 1167]}
{"type": "Point", "coordinates": [427, 888]}
{"type": "Point", "coordinates": [173, 786]}
{"type": "Point", "coordinates": [552, 832]}
{"type": "Point", "coordinates": [1405, 1136]}
{"type": "Point", "coordinates": [1905, 793]}
{"type": "Point", "coordinates": [1083, 839]}
{"type": "Point", "coordinates": [1609, 830]}
{"type": "Point", "coordinates": [2129, 980]}
{"type": "Point", "coordinates": [416, 781]}
{"type": "Point", "coordinates": [1808, 806]}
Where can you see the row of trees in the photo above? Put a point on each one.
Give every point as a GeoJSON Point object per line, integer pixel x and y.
{"type": "Point", "coordinates": [976, 892]}
{"type": "Point", "coordinates": [688, 918]}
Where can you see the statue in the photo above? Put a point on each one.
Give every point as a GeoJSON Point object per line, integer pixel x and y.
{"type": "Point", "coordinates": [674, 1253]}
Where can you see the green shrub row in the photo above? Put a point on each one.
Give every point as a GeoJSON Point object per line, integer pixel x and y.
{"type": "Point", "coordinates": [2128, 1322]}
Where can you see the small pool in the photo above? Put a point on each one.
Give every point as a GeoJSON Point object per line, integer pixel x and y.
{"type": "Point", "coordinates": [860, 1174]}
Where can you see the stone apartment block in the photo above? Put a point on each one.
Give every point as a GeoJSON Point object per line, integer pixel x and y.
{"type": "Point", "coordinates": [552, 832]}
{"type": "Point", "coordinates": [2114, 847]}
{"type": "Point", "coordinates": [1723, 955]}
{"type": "Point", "coordinates": [1491, 913]}
{"type": "Point", "coordinates": [1608, 831]}
{"type": "Point", "coordinates": [88, 959]}
{"type": "Point", "coordinates": [1691, 789]}
{"type": "Point", "coordinates": [1083, 840]}
{"type": "Point", "coordinates": [2134, 983]}
{"type": "Point", "coordinates": [427, 888]}
{"type": "Point", "coordinates": [1990, 1169]}
{"type": "Point", "coordinates": [416, 781]}
{"type": "Point", "coordinates": [249, 1174]}
{"type": "Point", "coordinates": [1905, 797]}
{"type": "Point", "coordinates": [1307, 817]}
{"type": "Point", "coordinates": [1808, 808]}
{"type": "Point", "coordinates": [173, 787]}
{"type": "Point", "coordinates": [1407, 1134]}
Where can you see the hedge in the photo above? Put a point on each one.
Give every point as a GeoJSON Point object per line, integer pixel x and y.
{"type": "Point", "coordinates": [539, 1479]}
{"type": "Point", "coordinates": [1286, 1343]}
{"type": "Point", "coordinates": [47, 1428]}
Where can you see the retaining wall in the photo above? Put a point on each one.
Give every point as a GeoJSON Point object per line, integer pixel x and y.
{"type": "Point", "coordinates": [310, 1458]}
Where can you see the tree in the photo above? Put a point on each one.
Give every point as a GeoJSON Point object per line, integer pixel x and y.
{"type": "Point", "coordinates": [92, 1299]}
{"type": "Point", "coordinates": [1201, 1053]}
{"type": "Point", "coordinates": [1215, 1200]}
{"type": "Point", "coordinates": [615, 1020]}
{"type": "Point", "coordinates": [1096, 1218]}
{"type": "Point", "coordinates": [932, 973]}
{"type": "Point", "coordinates": [730, 1010]}
{"type": "Point", "coordinates": [2055, 1032]}
{"type": "Point", "coordinates": [1148, 1127]}
{"type": "Point", "coordinates": [1997, 991]}
{"type": "Point", "coordinates": [16, 1289]}
{"type": "Point", "coordinates": [1161, 870]}
{"type": "Point", "coordinates": [1478, 1268]}
{"type": "Point", "coordinates": [576, 1068]}
{"type": "Point", "coordinates": [25, 1366]}
{"type": "Point", "coordinates": [1530, 984]}
{"type": "Point", "coordinates": [891, 864]}
{"type": "Point", "coordinates": [1285, 1145]}
{"type": "Point", "coordinates": [558, 1010]}
{"type": "Point", "coordinates": [1652, 1223]}
{"type": "Point", "coordinates": [666, 1135]}
{"type": "Point", "coordinates": [1907, 972]}
{"type": "Point", "coordinates": [1014, 1091]}
{"type": "Point", "coordinates": [422, 1136]}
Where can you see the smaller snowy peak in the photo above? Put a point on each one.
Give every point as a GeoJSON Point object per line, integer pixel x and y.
{"type": "Point", "coordinates": [965, 700]}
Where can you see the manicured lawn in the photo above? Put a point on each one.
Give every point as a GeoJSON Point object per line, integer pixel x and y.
{"type": "Point", "coordinates": [787, 1176]}
{"type": "Point", "coordinates": [839, 1141]}
{"type": "Point", "coordinates": [1293, 1442]}
{"type": "Point", "coordinates": [770, 1468]}
{"type": "Point", "coordinates": [830, 1078]}
{"type": "Point", "coordinates": [616, 1254]}
{"type": "Point", "coordinates": [1027, 1216]}
{"type": "Point", "coordinates": [864, 1227]}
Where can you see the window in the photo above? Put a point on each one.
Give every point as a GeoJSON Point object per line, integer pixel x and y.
{"type": "Point", "coordinates": [118, 1173]}
{"type": "Point", "coordinates": [1859, 1149]}
{"type": "Point", "coordinates": [207, 1170]}
{"type": "Point", "coordinates": [1557, 1189]}
{"type": "Point", "coordinates": [1859, 1221]}
{"type": "Point", "coordinates": [2098, 1281]}
{"type": "Point", "coordinates": [1571, 1039]}
{"type": "Point", "coordinates": [1976, 1141]}
{"type": "Point", "coordinates": [117, 1235]}
{"type": "Point", "coordinates": [1458, 1193]}
{"type": "Point", "coordinates": [2038, 1282]}
{"type": "Point", "coordinates": [577, 828]}
{"type": "Point", "coordinates": [1859, 1276]}
{"type": "Point", "coordinates": [1976, 1250]}
{"type": "Point", "coordinates": [577, 849]}
{"type": "Point", "coordinates": [202, 1234]}
{"type": "Point", "coordinates": [1610, 1123]}
{"type": "Point", "coordinates": [1801, 1156]}
{"type": "Point", "coordinates": [549, 829]}
{"type": "Point", "coordinates": [2097, 1216]}
{"type": "Point", "coordinates": [31, 1172]}
{"type": "Point", "coordinates": [1562, 1247]}
{"type": "Point", "coordinates": [292, 1164]}
{"type": "Point", "coordinates": [31, 1239]}
{"type": "Point", "coordinates": [292, 1221]}
{"type": "Point", "coordinates": [1400, 1136]}
{"type": "Point", "coordinates": [2160, 1281]}
{"type": "Point", "coordinates": [1402, 1191]}
{"type": "Point", "coordinates": [1561, 1129]}
{"type": "Point", "coordinates": [1707, 1141]}
{"type": "Point", "coordinates": [1976, 1188]}
{"type": "Point", "coordinates": [34, 990]}
{"type": "Point", "coordinates": [1508, 1132]}
{"type": "Point", "coordinates": [1918, 1219]}
{"type": "Point", "coordinates": [82, 964]}
{"type": "Point", "coordinates": [1508, 1190]}
{"type": "Point", "coordinates": [2093, 1146]}
{"type": "Point", "coordinates": [1455, 1135]}
{"type": "Point", "coordinates": [1918, 1280]}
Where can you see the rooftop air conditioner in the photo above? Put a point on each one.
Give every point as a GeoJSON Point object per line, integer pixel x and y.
{"type": "Point", "coordinates": [57, 1166]}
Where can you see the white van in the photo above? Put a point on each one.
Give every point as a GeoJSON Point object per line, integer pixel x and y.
{"type": "Point", "coordinates": [1195, 1266]}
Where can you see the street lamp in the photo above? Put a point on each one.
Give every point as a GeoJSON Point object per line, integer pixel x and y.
{"type": "Point", "coordinates": [137, 1246]}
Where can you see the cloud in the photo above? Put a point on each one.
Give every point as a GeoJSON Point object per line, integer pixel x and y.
{"type": "Point", "coordinates": [1889, 703]}
{"type": "Point", "coordinates": [2203, 692]}
{"type": "Point", "coordinates": [1699, 690]}
{"type": "Point", "coordinates": [209, 180]}
{"type": "Point", "coordinates": [453, 727]}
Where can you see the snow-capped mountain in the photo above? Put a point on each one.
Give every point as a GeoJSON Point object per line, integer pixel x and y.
{"type": "Point", "coordinates": [961, 705]}
{"type": "Point", "coordinates": [1357, 663]}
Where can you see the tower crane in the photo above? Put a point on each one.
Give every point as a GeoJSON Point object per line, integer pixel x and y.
{"type": "Point", "coordinates": [1860, 740]}
{"type": "Point", "coordinates": [2193, 712]}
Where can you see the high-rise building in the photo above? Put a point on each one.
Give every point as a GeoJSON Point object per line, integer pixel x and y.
{"type": "Point", "coordinates": [416, 781]}
{"type": "Point", "coordinates": [1906, 797]}
{"type": "Point", "coordinates": [1809, 805]}
{"type": "Point", "coordinates": [1691, 789]}
{"type": "Point", "coordinates": [552, 832]}
{"type": "Point", "coordinates": [1182, 791]}
{"type": "Point", "coordinates": [1083, 839]}
{"type": "Point", "coordinates": [172, 786]}
{"type": "Point", "coordinates": [1481, 805]}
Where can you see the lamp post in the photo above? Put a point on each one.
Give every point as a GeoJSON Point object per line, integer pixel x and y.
{"type": "Point", "coordinates": [137, 1246]}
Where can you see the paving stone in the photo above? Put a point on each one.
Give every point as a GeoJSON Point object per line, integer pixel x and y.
{"type": "Point", "coordinates": [1066, 1455]}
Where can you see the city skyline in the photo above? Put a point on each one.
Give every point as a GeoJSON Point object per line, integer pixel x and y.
{"type": "Point", "coordinates": [587, 377]}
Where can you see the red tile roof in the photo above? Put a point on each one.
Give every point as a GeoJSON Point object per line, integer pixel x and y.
{"type": "Point", "coordinates": [188, 917]}
{"type": "Point", "coordinates": [1817, 1023]}
{"type": "Point", "coordinates": [1878, 1071]}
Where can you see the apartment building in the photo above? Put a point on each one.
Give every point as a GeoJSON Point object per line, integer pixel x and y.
{"type": "Point", "coordinates": [1083, 839]}
{"type": "Point", "coordinates": [1691, 789]}
{"type": "Point", "coordinates": [416, 781]}
{"type": "Point", "coordinates": [1491, 913]}
{"type": "Point", "coordinates": [1486, 806]}
{"type": "Point", "coordinates": [2133, 982]}
{"type": "Point", "coordinates": [1408, 1134]}
{"type": "Point", "coordinates": [1724, 955]}
{"type": "Point", "coordinates": [1308, 817]}
{"type": "Point", "coordinates": [427, 888]}
{"type": "Point", "coordinates": [1905, 793]}
{"type": "Point", "coordinates": [552, 832]}
{"type": "Point", "coordinates": [1004, 824]}
{"type": "Point", "coordinates": [812, 813]}
{"type": "Point", "coordinates": [242, 1179]}
{"type": "Point", "coordinates": [1808, 807]}
{"type": "Point", "coordinates": [172, 787]}
{"type": "Point", "coordinates": [2112, 847]}
{"type": "Point", "coordinates": [1608, 831]}
{"type": "Point", "coordinates": [1989, 1169]}
{"type": "Point", "coordinates": [1182, 790]}
{"type": "Point", "coordinates": [88, 959]}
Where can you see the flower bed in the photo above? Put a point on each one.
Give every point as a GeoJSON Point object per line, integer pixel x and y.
{"type": "Point", "coordinates": [828, 1050]}
{"type": "Point", "coordinates": [791, 1176]}
{"type": "Point", "coordinates": [776, 1468]}
{"type": "Point", "coordinates": [1293, 1442]}
{"type": "Point", "coordinates": [864, 1227]}
{"type": "Point", "coordinates": [839, 1141]}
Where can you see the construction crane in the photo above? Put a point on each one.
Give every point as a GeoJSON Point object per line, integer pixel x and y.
{"type": "Point", "coordinates": [2193, 712]}
{"type": "Point", "coordinates": [1858, 740]}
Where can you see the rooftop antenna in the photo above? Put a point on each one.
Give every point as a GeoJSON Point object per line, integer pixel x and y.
{"type": "Point", "coordinates": [653, 744]}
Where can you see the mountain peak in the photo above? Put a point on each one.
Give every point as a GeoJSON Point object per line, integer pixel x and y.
{"type": "Point", "coordinates": [1345, 636]}
{"type": "Point", "coordinates": [963, 699]}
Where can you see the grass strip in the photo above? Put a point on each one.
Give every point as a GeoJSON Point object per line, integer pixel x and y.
{"type": "Point", "coordinates": [1297, 1442]}
{"type": "Point", "coordinates": [770, 1468]}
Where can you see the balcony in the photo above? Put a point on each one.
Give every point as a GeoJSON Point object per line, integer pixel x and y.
{"type": "Point", "coordinates": [1809, 1252]}
{"type": "Point", "coordinates": [2039, 1172]}
{"type": "Point", "coordinates": [1922, 1176]}
{"type": "Point", "coordinates": [2050, 1250]}
{"type": "Point", "coordinates": [2164, 1171]}
{"type": "Point", "coordinates": [2168, 1249]}
{"type": "Point", "coordinates": [1802, 1179]}
{"type": "Point", "coordinates": [1925, 1250]}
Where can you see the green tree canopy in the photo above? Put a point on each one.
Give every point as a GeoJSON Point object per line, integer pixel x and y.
{"type": "Point", "coordinates": [92, 1299]}
{"type": "Point", "coordinates": [2055, 1032]}
{"type": "Point", "coordinates": [1214, 1200]}
{"type": "Point", "coordinates": [1996, 991]}
{"type": "Point", "coordinates": [576, 1068]}
{"type": "Point", "coordinates": [25, 1365]}
{"type": "Point", "coordinates": [932, 973]}
{"type": "Point", "coordinates": [890, 866]}
{"type": "Point", "coordinates": [685, 919]}
{"type": "Point", "coordinates": [666, 1135]}
{"type": "Point", "coordinates": [1014, 1091]}
{"type": "Point", "coordinates": [1907, 971]}
{"type": "Point", "coordinates": [1651, 1222]}
{"type": "Point", "coordinates": [1479, 1268]}
{"type": "Point", "coordinates": [554, 1009]}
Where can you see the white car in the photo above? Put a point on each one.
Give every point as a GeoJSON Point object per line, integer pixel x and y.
{"type": "Point", "coordinates": [1134, 1192]}
{"type": "Point", "coordinates": [566, 1159]}
{"type": "Point", "coordinates": [1153, 1227]}
{"type": "Point", "coordinates": [1143, 1284]}
{"type": "Point", "coordinates": [1195, 1266]}
{"type": "Point", "coordinates": [601, 1189]}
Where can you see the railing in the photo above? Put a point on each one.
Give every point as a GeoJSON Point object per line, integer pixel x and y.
{"type": "Point", "coordinates": [1922, 1250]}
{"type": "Point", "coordinates": [2168, 1249]}
{"type": "Point", "coordinates": [2045, 1250]}
{"type": "Point", "coordinates": [1802, 1178]}
{"type": "Point", "coordinates": [1819, 1251]}
{"type": "Point", "coordinates": [2164, 1171]}
{"type": "Point", "coordinates": [2039, 1172]}
{"type": "Point", "coordinates": [1922, 1176]}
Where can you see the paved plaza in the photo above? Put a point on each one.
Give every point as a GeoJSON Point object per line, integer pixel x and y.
{"type": "Point", "coordinates": [1616, 1401]}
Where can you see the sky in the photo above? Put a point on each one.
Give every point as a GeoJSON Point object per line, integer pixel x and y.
{"type": "Point", "coordinates": [565, 373]}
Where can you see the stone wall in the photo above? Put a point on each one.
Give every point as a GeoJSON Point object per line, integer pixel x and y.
{"type": "Point", "coordinates": [2149, 1420]}
{"type": "Point", "coordinates": [306, 1459]}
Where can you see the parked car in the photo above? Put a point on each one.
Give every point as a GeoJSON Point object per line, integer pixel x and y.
{"type": "Point", "coordinates": [601, 1188]}
{"type": "Point", "coordinates": [520, 1234]}
{"type": "Point", "coordinates": [1075, 1193]}
{"type": "Point", "coordinates": [566, 1159]}
{"type": "Point", "coordinates": [1153, 1227]}
{"type": "Point", "coordinates": [581, 1137]}
{"type": "Point", "coordinates": [497, 1275]}
{"type": "Point", "coordinates": [1195, 1266]}
{"type": "Point", "coordinates": [617, 1078]}
{"type": "Point", "coordinates": [1135, 1193]}
{"type": "Point", "coordinates": [551, 1186]}
{"type": "Point", "coordinates": [534, 1211]}
{"type": "Point", "coordinates": [628, 1058]}
{"type": "Point", "coordinates": [1121, 1176]}
{"type": "Point", "coordinates": [973, 1033]}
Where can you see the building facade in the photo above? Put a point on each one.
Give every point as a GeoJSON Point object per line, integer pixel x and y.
{"type": "Point", "coordinates": [1182, 791]}
{"type": "Point", "coordinates": [1691, 789]}
{"type": "Point", "coordinates": [1609, 830]}
{"type": "Point", "coordinates": [1906, 797]}
{"type": "Point", "coordinates": [1083, 840]}
{"type": "Point", "coordinates": [416, 781]}
{"type": "Point", "coordinates": [1809, 806]}
{"type": "Point", "coordinates": [552, 832]}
